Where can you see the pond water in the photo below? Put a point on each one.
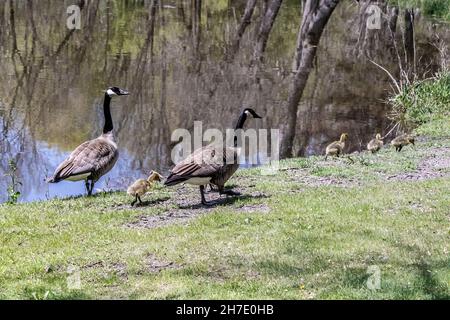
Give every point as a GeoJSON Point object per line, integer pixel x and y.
{"type": "Point", "coordinates": [52, 81]}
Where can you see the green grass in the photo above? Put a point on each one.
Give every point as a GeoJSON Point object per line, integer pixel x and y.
{"type": "Point", "coordinates": [433, 8]}
{"type": "Point", "coordinates": [436, 128]}
{"type": "Point", "coordinates": [305, 240]}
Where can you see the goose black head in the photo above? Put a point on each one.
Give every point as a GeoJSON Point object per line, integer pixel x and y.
{"type": "Point", "coordinates": [115, 91]}
{"type": "Point", "coordinates": [243, 117]}
{"type": "Point", "coordinates": [250, 111]}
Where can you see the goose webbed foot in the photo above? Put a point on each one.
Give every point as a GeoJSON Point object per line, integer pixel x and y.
{"type": "Point", "coordinates": [230, 192]}
{"type": "Point", "coordinates": [207, 203]}
{"type": "Point", "coordinates": [89, 187]}
{"type": "Point", "coordinates": [212, 188]}
{"type": "Point", "coordinates": [134, 201]}
{"type": "Point", "coordinates": [202, 194]}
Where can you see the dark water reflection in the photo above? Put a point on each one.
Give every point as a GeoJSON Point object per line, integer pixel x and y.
{"type": "Point", "coordinates": [51, 81]}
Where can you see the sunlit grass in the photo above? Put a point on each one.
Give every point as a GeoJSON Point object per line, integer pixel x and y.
{"type": "Point", "coordinates": [302, 241]}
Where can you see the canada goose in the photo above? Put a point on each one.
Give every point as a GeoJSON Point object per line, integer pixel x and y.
{"type": "Point", "coordinates": [209, 165]}
{"type": "Point", "coordinates": [402, 140]}
{"type": "Point", "coordinates": [142, 186]}
{"type": "Point", "coordinates": [94, 158]}
{"type": "Point", "coordinates": [375, 144]}
{"type": "Point", "coordinates": [337, 147]}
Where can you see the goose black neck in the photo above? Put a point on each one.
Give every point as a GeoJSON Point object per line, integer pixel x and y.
{"type": "Point", "coordinates": [241, 121]}
{"type": "Point", "coordinates": [108, 127]}
{"type": "Point", "coordinates": [239, 125]}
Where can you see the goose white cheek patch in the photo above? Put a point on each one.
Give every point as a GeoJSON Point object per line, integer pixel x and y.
{"type": "Point", "coordinates": [110, 92]}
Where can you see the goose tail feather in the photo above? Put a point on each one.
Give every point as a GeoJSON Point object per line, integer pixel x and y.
{"type": "Point", "coordinates": [174, 179]}
{"type": "Point", "coordinates": [51, 180]}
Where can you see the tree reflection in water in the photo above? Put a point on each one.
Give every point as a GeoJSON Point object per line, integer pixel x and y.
{"type": "Point", "coordinates": [174, 57]}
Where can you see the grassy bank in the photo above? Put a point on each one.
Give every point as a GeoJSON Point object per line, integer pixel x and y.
{"type": "Point", "coordinates": [313, 230]}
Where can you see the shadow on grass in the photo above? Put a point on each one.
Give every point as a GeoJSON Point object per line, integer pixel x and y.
{"type": "Point", "coordinates": [430, 285]}
{"type": "Point", "coordinates": [220, 202]}
{"type": "Point", "coordinates": [94, 196]}
{"type": "Point", "coordinates": [152, 202]}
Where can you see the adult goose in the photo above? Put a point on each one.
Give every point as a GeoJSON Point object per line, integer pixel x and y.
{"type": "Point", "coordinates": [92, 159]}
{"type": "Point", "coordinates": [210, 164]}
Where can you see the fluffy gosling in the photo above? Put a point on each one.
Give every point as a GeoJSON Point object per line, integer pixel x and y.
{"type": "Point", "coordinates": [375, 144]}
{"type": "Point", "coordinates": [142, 186]}
{"type": "Point", "coordinates": [402, 140]}
{"type": "Point", "coordinates": [337, 147]}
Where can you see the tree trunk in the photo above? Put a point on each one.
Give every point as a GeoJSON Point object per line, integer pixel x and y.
{"type": "Point", "coordinates": [164, 134]}
{"type": "Point", "coordinates": [315, 17]}
{"type": "Point", "coordinates": [264, 30]}
{"type": "Point", "coordinates": [196, 7]}
{"type": "Point", "coordinates": [393, 17]}
{"type": "Point", "coordinates": [245, 21]}
{"type": "Point", "coordinates": [196, 18]}
{"type": "Point", "coordinates": [409, 39]}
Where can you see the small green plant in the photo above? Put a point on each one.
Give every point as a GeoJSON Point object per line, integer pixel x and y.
{"type": "Point", "coordinates": [13, 193]}
{"type": "Point", "coordinates": [439, 9]}
{"type": "Point", "coordinates": [422, 101]}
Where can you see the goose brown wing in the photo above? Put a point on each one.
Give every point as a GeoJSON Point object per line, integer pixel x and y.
{"type": "Point", "coordinates": [399, 140]}
{"type": "Point", "coordinates": [204, 162]}
{"type": "Point", "coordinates": [91, 156]}
{"type": "Point", "coordinates": [201, 163]}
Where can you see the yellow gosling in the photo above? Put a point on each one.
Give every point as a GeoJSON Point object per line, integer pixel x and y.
{"type": "Point", "coordinates": [142, 186]}
{"type": "Point", "coordinates": [337, 147]}
{"type": "Point", "coordinates": [402, 140]}
{"type": "Point", "coordinates": [375, 144]}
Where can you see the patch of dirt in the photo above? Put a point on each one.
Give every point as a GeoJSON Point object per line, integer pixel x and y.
{"type": "Point", "coordinates": [303, 176]}
{"type": "Point", "coordinates": [254, 208]}
{"type": "Point", "coordinates": [154, 264]}
{"type": "Point", "coordinates": [120, 269]}
{"type": "Point", "coordinates": [316, 181]}
{"type": "Point", "coordinates": [437, 165]}
{"type": "Point", "coordinates": [172, 217]}
{"type": "Point", "coordinates": [96, 264]}
{"type": "Point", "coordinates": [188, 204]}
